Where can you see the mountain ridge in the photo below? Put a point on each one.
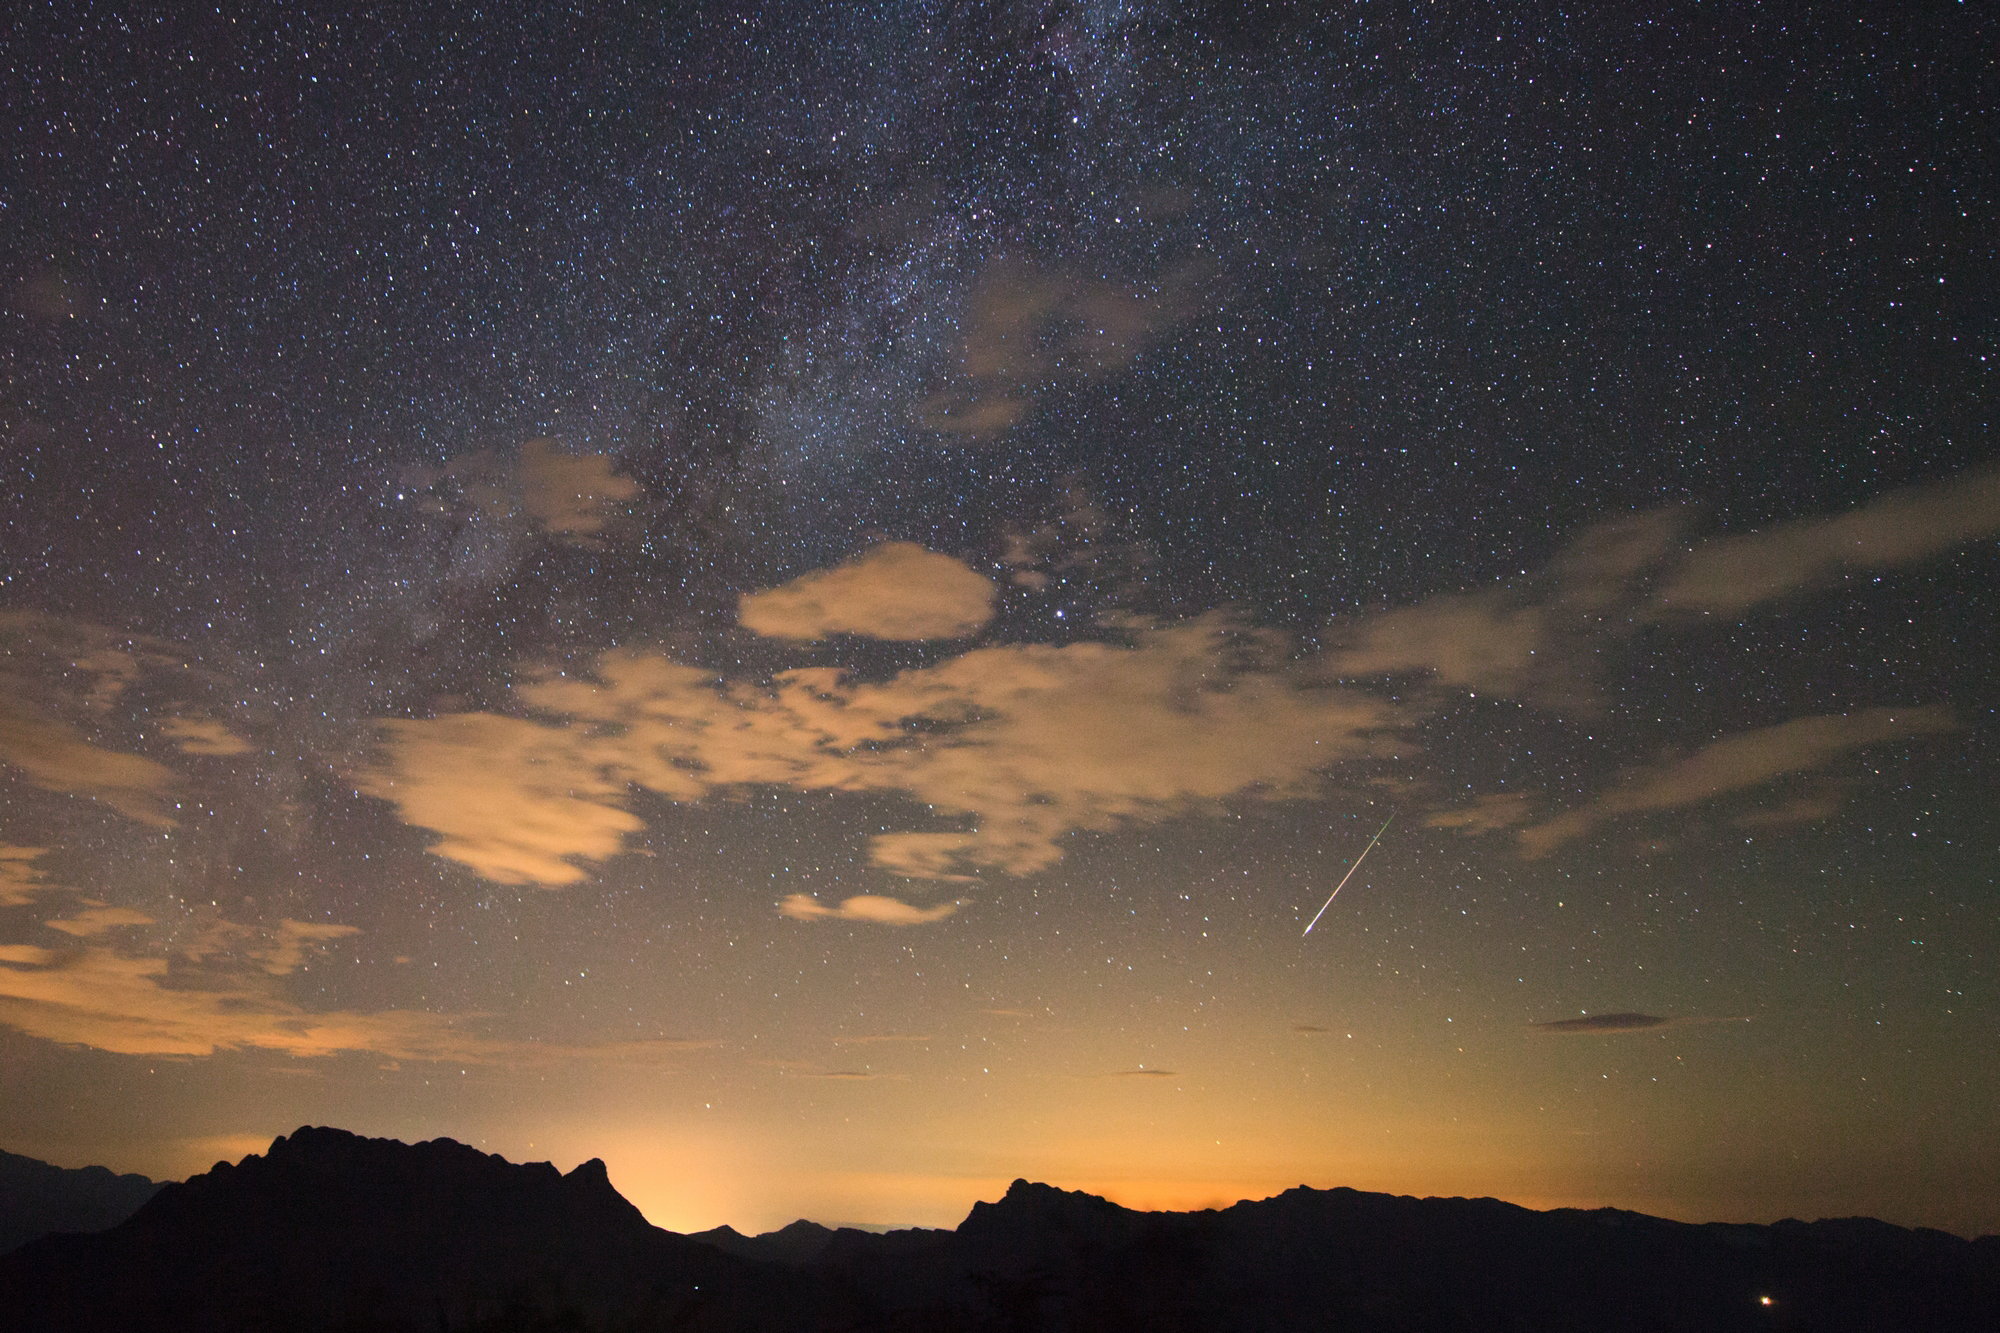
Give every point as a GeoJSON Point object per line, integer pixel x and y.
{"type": "Point", "coordinates": [328, 1230]}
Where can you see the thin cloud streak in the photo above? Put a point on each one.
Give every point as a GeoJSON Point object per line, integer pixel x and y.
{"type": "Point", "coordinates": [1736, 763]}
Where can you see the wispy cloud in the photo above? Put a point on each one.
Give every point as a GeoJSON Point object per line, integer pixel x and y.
{"type": "Point", "coordinates": [130, 1002]}
{"type": "Point", "coordinates": [866, 907]}
{"type": "Point", "coordinates": [21, 880]}
{"type": "Point", "coordinates": [884, 1038]}
{"type": "Point", "coordinates": [52, 756]}
{"type": "Point", "coordinates": [1727, 575]}
{"type": "Point", "coordinates": [569, 497]}
{"type": "Point", "coordinates": [97, 919]}
{"type": "Point", "coordinates": [1736, 763]}
{"type": "Point", "coordinates": [192, 735]}
{"type": "Point", "coordinates": [1028, 327]}
{"type": "Point", "coordinates": [896, 590]}
{"type": "Point", "coordinates": [1143, 1072]}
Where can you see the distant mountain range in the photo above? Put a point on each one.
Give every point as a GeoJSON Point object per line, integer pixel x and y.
{"type": "Point", "coordinates": [36, 1198]}
{"type": "Point", "coordinates": [329, 1231]}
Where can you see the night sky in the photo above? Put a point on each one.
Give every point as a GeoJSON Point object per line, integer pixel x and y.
{"type": "Point", "coordinates": [808, 598]}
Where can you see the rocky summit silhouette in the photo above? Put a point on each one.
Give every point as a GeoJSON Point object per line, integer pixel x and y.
{"type": "Point", "coordinates": [328, 1231]}
{"type": "Point", "coordinates": [37, 1198]}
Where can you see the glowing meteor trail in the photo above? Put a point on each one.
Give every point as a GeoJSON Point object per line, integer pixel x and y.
{"type": "Point", "coordinates": [1349, 875]}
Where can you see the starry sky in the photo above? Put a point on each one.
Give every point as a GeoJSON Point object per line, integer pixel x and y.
{"type": "Point", "coordinates": [809, 598]}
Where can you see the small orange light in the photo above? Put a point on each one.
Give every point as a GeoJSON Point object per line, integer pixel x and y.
{"type": "Point", "coordinates": [1763, 1300]}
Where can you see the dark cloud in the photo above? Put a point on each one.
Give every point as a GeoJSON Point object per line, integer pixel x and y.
{"type": "Point", "coordinates": [1629, 1022]}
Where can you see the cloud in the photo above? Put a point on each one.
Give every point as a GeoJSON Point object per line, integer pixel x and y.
{"type": "Point", "coordinates": [1611, 1024]}
{"type": "Point", "coordinates": [276, 950]}
{"type": "Point", "coordinates": [1486, 814]}
{"type": "Point", "coordinates": [97, 919]}
{"type": "Point", "coordinates": [138, 1005]}
{"type": "Point", "coordinates": [570, 494]}
{"type": "Point", "coordinates": [1309, 1029]}
{"type": "Point", "coordinates": [896, 590]}
{"type": "Point", "coordinates": [515, 801]}
{"type": "Point", "coordinates": [1731, 574]}
{"type": "Point", "coordinates": [20, 881]}
{"type": "Point", "coordinates": [201, 736]}
{"type": "Point", "coordinates": [1805, 808]}
{"type": "Point", "coordinates": [1143, 1072]}
{"type": "Point", "coordinates": [1527, 640]}
{"type": "Point", "coordinates": [50, 755]}
{"type": "Point", "coordinates": [1735, 763]}
{"type": "Point", "coordinates": [866, 907]}
{"type": "Point", "coordinates": [1027, 742]}
{"type": "Point", "coordinates": [1601, 1023]}
{"type": "Point", "coordinates": [571, 497]}
{"type": "Point", "coordinates": [879, 1038]}
{"type": "Point", "coordinates": [208, 1000]}
{"type": "Point", "coordinates": [1028, 327]}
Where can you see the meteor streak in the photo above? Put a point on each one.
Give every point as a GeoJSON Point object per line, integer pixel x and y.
{"type": "Point", "coordinates": [1349, 875]}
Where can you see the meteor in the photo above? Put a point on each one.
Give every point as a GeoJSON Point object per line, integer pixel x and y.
{"type": "Point", "coordinates": [1349, 875]}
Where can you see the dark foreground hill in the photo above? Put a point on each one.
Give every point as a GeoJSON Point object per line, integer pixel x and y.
{"type": "Point", "coordinates": [36, 1198]}
{"type": "Point", "coordinates": [332, 1232]}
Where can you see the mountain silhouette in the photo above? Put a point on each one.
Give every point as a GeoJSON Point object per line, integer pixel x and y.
{"type": "Point", "coordinates": [36, 1198]}
{"type": "Point", "coordinates": [328, 1231]}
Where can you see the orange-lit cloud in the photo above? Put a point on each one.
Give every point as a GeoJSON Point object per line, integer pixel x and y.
{"type": "Point", "coordinates": [1027, 327]}
{"type": "Point", "coordinates": [571, 497]}
{"type": "Point", "coordinates": [896, 590]}
{"type": "Point", "coordinates": [866, 907]}
{"type": "Point", "coordinates": [570, 494]}
{"type": "Point", "coordinates": [51, 755]}
{"type": "Point", "coordinates": [207, 999]}
{"type": "Point", "coordinates": [203, 736]}
{"type": "Point", "coordinates": [1486, 814]}
{"type": "Point", "coordinates": [95, 920]}
{"type": "Point", "coordinates": [1736, 763]}
{"type": "Point", "coordinates": [516, 801]}
{"type": "Point", "coordinates": [1028, 742]}
{"type": "Point", "coordinates": [276, 950]}
{"type": "Point", "coordinates": [20, 879]}
{"type": "Point", "coordinates": [1732, 574]}
{"type": "Point", "coordinates": [1519, 640]}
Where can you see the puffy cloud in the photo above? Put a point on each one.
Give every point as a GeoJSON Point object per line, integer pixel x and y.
{"type": "Point", "coordinates": [52, 756]}
{"type": "Point", "coordinates": [1732, 574]}
{"type": "Point", "coordinates": [866, 907]}
{"type": "Point", "coordinates": [1028, 742]}
{"type": "Point", "coordinates": [202, 736]}
{"type": "Point", "coordinates": [1736, 763]}
{"type": "Point", "coordinates": [896, 590]}
{"type": "Point", "coordinates": [514, 800]}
